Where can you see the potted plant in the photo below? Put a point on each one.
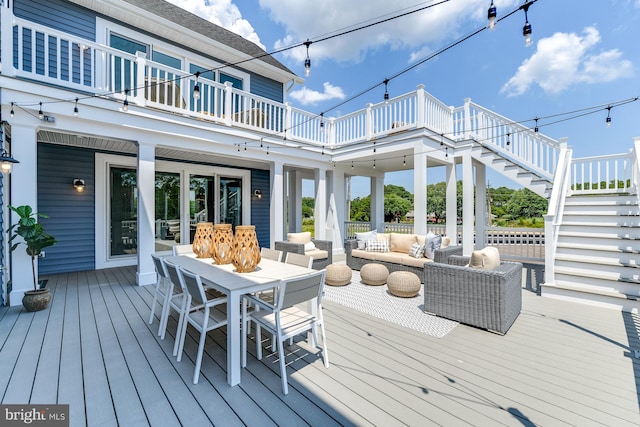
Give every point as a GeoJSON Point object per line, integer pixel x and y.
{"type": "Point", "coordinates": [35, 239]}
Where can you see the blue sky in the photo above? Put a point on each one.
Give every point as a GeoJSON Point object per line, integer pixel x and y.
{"type": "Point", "coordinates": [584, 54]}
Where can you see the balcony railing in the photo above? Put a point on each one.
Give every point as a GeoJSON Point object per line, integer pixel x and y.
{"type": "Point", "coordinates": [40, 53]}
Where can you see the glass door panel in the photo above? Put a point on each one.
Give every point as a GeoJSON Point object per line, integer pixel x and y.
{"type": "Point", "coordinates": [231, 201]}
{"type": "Point", "coordinates": [123, 211]}
{"type": "Point", "coordinates": [167, 200]}
{"type": "Point", "coordinates": [201, 202]}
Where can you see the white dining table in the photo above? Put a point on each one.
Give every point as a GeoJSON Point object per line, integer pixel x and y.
{"type": "Point", "coordinates": [227, 280]}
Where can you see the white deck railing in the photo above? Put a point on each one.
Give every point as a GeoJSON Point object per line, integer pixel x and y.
{"type": "Point", "coordinates": [603, 174]}
{"type": "Point", "coordinates": [40, 53]}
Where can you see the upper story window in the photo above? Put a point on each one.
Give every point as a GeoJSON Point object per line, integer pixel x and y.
{"type": "Point", "coordinates": [168, 60]}
{"type": "Point", "coordinates": [127, 45]}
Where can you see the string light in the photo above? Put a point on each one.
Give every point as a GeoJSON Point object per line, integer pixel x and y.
{"type": "Point", "coordinates": [374, 163]}
{"type": "Point", "coordinates": [351, 164]}
{"type": "Point", "coordinates": [508, 138]}
{"type": "Point", "coordinates": [374, 146]}
{"type": "Point", "coordinates": [196, 88]}
{"type": "Point", "coordinates": [12, 113]}
{"type": "Point", "coordinates": [307, 61]}
{"type": "Point", "coordinates": [75, 109]}
{"type": "Point", "coordinates": [40, 113]}
{"type": "Point", "coordinates": [527, 30]}
{"type": "Point", "coordinates": [536, 128]}
{"type": "Point", "coordinates": [321, 121]}
{"type": "Point", "coordinates": [608, 120]}
{"type": "Point", "coordinates": [492, 13]}
{"type": "Point", "coordinates": [125, 103]}
{"type": "Point", "coordinates": [404, 161]}
{"type": "Point", "coordinates": [386, 92]}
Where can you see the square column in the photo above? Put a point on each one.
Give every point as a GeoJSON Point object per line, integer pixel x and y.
{"type": "Point", "coordinates": [420, 189]}
{"type": "Point", "coordinates": [468, 215]}
{"type": "Point", "coordinates": [277, 219]}
{"type": "Point", "coordinates": [481, 205]}
{"type": "Point", "coordinates": [337, 209]}
{"type": "Point", "coordinates": [146, 274]}
{"type": "Point", "coordinates": [452, 203]}
{"type": "Point", "coordinates": [320, 211]}
{"type": "Point", "coordinates": [377, 203]}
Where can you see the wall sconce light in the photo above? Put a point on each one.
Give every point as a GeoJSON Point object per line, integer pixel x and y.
{"type": "Point", "coordinates": [6, 162]}
{"type": "Point", "coordinates": [257, 193]}
{"type": "Point", "coordinates": [78, 184]}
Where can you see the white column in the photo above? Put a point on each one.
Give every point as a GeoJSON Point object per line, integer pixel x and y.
{"type": "Point", "coordinates": [337, 209]}
{"type": "Point", "coordinates": [452, 203]}
{"type": "Point", "coordinates": [377, 203]}
{"type": "Point", "coordinates": [146, 213]}
{"type": "Point", "coordinates": [420, 207]}
{"type": "Point", "coordinates": [6, 41]}
{"type": "Point", "coordinates": [277, 203]}
{"type": "Point", "coordinates": [320, 211]}
{"type": "Point", "coordinates": [467, 205]}
{"type": "Point", "coordinates": [481, 206]}
{"type": "Point", "coordinates": [24, 191]}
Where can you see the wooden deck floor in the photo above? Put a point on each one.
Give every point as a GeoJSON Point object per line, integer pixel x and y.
{"type": "Point", "coordinates": [560, 364]}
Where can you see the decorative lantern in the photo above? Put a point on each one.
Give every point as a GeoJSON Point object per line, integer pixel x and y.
{"type": "Point", "coordinates": [203, 240]}
{"type": "Point", "coordinates": [222, 250]}
{"type": "Point", "coordinates": [246, 251]}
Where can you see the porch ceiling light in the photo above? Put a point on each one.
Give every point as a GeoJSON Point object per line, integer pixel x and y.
{"type": "Point", "coordinates": [6, 162]}
{"type": "Point", "coordinates": [78, 184]}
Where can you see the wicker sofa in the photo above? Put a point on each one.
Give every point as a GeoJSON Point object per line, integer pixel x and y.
{"type": "Point", "coordinates": [357, 258]}
{"type": "Point", "coordinates": [489, 299]}
{"type": "Point", "coordinates": [322, 253]}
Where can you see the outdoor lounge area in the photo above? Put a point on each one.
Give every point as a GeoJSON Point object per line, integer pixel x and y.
{"type": "Point", "coordinates": [560, 364]}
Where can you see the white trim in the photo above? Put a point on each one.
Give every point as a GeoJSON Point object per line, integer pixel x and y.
{"type": "Point", "coordinates": [102, 164]}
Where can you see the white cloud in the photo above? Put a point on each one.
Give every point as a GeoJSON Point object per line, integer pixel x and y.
{"type": "Point", "coordinates": [223, 13]}
{"type": "Point", "coordinates": [316, 19]}
{"type": "Point", "coordinates": [306, 96]}
{"type": "Point", "coordinates": [566, 59]}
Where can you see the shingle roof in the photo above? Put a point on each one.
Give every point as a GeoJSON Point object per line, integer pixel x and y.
{"type": "Point", "coordinates": [187, 19]}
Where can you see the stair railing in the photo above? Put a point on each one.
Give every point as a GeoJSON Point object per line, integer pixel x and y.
{"type": "Point", "coordinates": [553, 218]}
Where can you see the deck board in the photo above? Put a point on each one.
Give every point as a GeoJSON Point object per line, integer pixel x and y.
{"type": "Point", "coordinates": [560, 364]}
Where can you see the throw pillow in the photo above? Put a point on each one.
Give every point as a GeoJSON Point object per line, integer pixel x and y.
{"type": "Point", "coordinates": [377, 246]}
{"type": "Point", "coordinates": [446, 242]}
{"type": "Point", "coordinates": [361, 238]}
{"type": "Point", "coordinates": [304, 237]}
{"type": "Point", "coordinates": [433, 242]}
{"type": "Point", "coordinates": [486, 259]}
{"type": "Point", "coordinates": [401, 242]}
{"type": "Point", "coordinates": [416, 251]}
{"type": "Point", "coordinates": [309, 246]}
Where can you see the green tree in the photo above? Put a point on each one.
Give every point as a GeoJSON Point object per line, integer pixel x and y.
{"type": "Point", "coordinates": [308, 207]}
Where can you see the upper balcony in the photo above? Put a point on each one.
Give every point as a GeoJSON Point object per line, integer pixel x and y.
{"type": "Point", "coordinates": [38, 53]}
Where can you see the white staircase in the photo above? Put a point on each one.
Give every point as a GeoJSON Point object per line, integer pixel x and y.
{"type": "Point", "coordinates": [525, 176]}
{"type": "Point", "coordinates": [597, 257]}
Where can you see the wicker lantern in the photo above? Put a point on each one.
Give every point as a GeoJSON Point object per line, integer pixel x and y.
{"type": "Point", "coordinates": [222, 250]}
{"type": "Point", "coordinates": [246, 250]}
{"type": "Point", "coordinates": [203, 240]}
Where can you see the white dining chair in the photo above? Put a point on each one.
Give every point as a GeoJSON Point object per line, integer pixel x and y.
{"type": "Point", "coordinates": [160, 289]}
{"type": "Point", "coordinates": [299, 259]}
{"type": "Point", "coordinates": [272, 254]}
{"type": "Point", "coordinates": [285, 319]}
{"type": "Point", "coordinates": [176, 300]}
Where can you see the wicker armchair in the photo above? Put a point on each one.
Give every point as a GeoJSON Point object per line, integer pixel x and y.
{"type": "Point", "coordinates": [487, 299]}
{"type": "Point", "coordinates": [298, 248]}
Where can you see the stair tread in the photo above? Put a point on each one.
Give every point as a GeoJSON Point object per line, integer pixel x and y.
{"type": "Point", "coordinates": [561, 284]}
{"type": "Point", "coordinates": [596, 247]}
{"type": "Point", "coordinates": [602, 275]}
{"type": "Point", "coordinates": [596, 235]}
{"type": "Point", "coordinates": [589, 259]}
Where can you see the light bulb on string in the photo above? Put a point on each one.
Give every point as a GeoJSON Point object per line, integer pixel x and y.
{"type": "Point", "coordinates": [196, 88]}
{"type": "Point", "coordinates": [608, 120]}
{"type": "Point", "coordinates": [536, 128]}
{"type": "Point", "coordinates": [75, 109]}
{"type": "Point", "coordinates": [404, 162]}
{"type": "Point", "coordinates": [307, 61]}
{"type": "Point", "coordinates": [12, 113]}
{"type": "Point", "coordinates": [374, 163]}
{"type": "Point", "coordinates": [386, 92]}
{"type": "Point", "coordinates": [40, 113]}
{"type": "Point", "coordinates": [492, 13]}
{"type": "Point", "coordinates": [508, 138]}
{"type": "Point", "coordinates": [125, 103]}
{"type": "Point", "coordinates": [527, 29]}
{"type": "Point", "coordinates": [351, 164]}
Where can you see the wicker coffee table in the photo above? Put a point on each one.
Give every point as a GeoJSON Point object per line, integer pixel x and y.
{"type": "Point", "coordinates": [374, 274]}
{"type": "Point", "coordinates": [403, 284]}
{"type": "Point", "coordinates": [338, 275]}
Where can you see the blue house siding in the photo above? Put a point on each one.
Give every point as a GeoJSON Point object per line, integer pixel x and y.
{"type": "Point", "coordinates": [260, 208]}
{"type": "Point", "coordinates": [71, 214]}
{"type": "Point", "coordinates": [267, 88]}
{"type": "Point", "coordinates": [58, 14]}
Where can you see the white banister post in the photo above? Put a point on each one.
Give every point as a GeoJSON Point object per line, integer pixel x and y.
{"type": "Point", "coordinates": [137, 92]}
{"type": "Point", "coordinates": [368, 131]}
{"type": "Point", "coordinates": [228, 103]}
{"type": "Point", "coordinates": [420, 107]}
{"type": "Point", "coordinates": [6, 41]}
{"type": "Point", "coordinates": [288, 117]}
{"type": "Point", "coordinates": [330, 127]}
{"type": "Point", "coordinates": [467, 118]}
{"type": "Point", "coordinates": [549, 251]}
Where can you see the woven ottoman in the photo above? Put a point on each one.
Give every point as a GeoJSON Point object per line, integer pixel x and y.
{"type": "Point", "coordinates": [374, 274]}
{"type": "Point", "coordinates": [403, 284]}
{"type": "Point", "coordinates": [337, 275]}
